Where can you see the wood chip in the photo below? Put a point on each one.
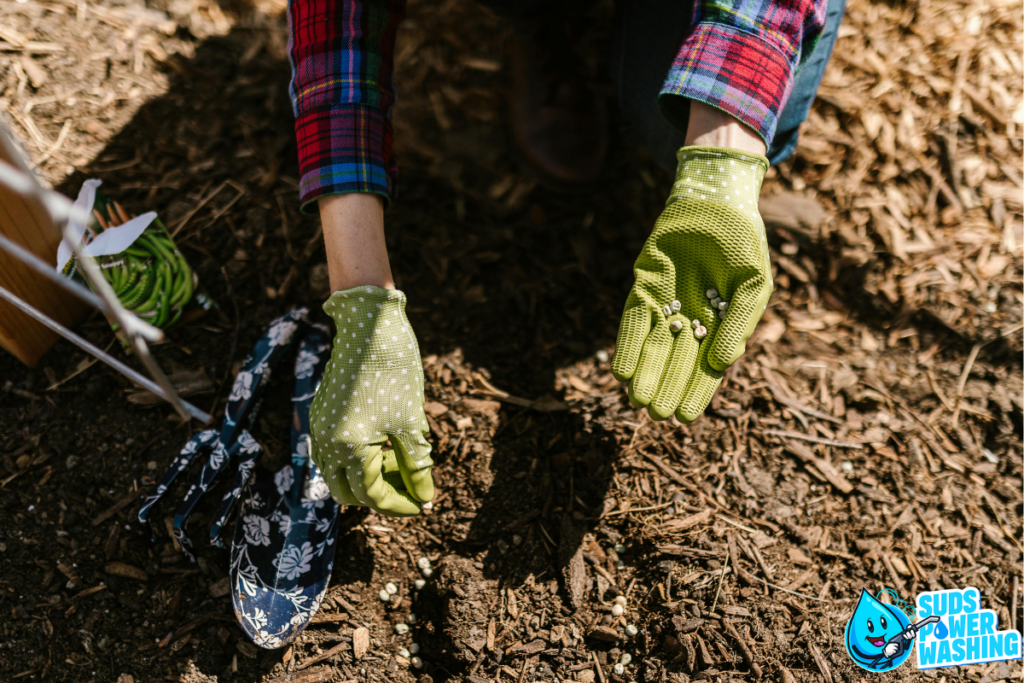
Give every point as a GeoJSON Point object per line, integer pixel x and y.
{"type": "Point", "coordinates": [360, 642]}
{"type": "Point", "coordinates": [126, 570]}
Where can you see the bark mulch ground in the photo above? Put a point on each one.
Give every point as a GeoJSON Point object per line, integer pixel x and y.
{"type": "Point", "coordinates": [871, 436]}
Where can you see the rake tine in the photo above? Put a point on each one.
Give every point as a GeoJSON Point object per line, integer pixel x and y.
{"type": "Point", "coordinates": [219, 459]}
{"type": "Point", "coordinates": [251, 451]}
{"type": "Point", "coordinates": [197, 444]}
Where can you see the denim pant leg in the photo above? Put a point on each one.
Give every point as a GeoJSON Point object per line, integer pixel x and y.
{"type": "Point", "coordinates": [645, 41]}
{"type": "Point", "coordinates": [805, 86]}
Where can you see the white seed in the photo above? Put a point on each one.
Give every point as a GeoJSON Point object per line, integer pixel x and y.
{"type": "Point", "coordinates": [617, 610]}
{"type": "Point", "coordinates": [715, 302]}
{"type": "Point", "coordinates": [384, 596]}
{"type": "Point", "coordinates": [416, 662]}
{"type": "Point", "coordinates": [412, 618]}
{"type": "Point", "coordinates": [619, 548]}
{"type": "Point", "coordinates": [667, 310]}
{"type": "Point", "coordinates": [676, 305]}
{"type": "Point", "coordinates": [721, 315]}
{"type": "Point", "coordinates": [618, 669]}
{"type": "Point", "coordinates": [631, 630]}
{"type": "Point", "coordinates": [620, 600]}
{"type": "Point", "coordinates": [414, 648]}
{"type": "Point", "coordinates": [390, 588]}
{"type": "Point", "coordinates": [427, 507]}
{"type": "Point", "coordinates": [620, 565]}
{"type": "Point", "coordinates": [711, 293]}
{"type": "Point", "coordinates": [676, 325]}
{"type": "Point", "coordinates": [427, 573]}
{"type": "Point", "coordinates": [625, 659]}
{"type": "Point", "coordinates": [602, 356]}
{"type": "Point", "coordinates": [723, 306]}
{"type": "Point", "coordinates": [694, 323]}
{"type": "Point", "coordinates": [403, 653]}
{"type": "Point", "coordinates": [401, 629]}
{"type": "Point", "coordinates": [700, 332]}
{"type": "Point", "coordinates": [423, 562]}
{"type": "Point", "coordinates": [419, 583]}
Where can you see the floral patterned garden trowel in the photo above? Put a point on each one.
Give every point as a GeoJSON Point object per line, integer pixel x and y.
{"type": "Point", "coordinates": [283, 550]}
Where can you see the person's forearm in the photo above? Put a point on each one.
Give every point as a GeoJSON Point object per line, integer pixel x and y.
{"type": "Point", "coordinates": [354, 237]}
{"type": "Point", "coordinates": [710, 127]}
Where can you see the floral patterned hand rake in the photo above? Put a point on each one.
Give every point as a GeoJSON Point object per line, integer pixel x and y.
{"type": "Point", "coordinates": [284, 542]}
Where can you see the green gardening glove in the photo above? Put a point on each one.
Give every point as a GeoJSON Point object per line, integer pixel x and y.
{"type": "Point", "coordinates": [703, 281]}
{"type": "Point", "coordinates": [372, 392]}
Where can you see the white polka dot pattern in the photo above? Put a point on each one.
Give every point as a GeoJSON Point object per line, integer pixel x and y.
{"type": "Point", "coordinates": [710, 238]}
{"type": "Point", "coordinates": [372, 392]}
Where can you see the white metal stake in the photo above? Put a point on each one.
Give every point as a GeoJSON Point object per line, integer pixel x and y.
{"type": "Point", "coordinates": [138, 331]}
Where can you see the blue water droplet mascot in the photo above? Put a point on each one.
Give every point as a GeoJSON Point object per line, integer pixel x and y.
{"type": "Point", "coordinates": [878, 636]}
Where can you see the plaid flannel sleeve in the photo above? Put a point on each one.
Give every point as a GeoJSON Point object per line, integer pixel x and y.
{"type": "Point", "coordinates": [341, 53]}
{"type": "Point", "coordinates": [740, 57]}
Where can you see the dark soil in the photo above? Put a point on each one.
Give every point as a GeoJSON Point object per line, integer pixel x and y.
{"type": "Point", "coordinates": [543, 514]}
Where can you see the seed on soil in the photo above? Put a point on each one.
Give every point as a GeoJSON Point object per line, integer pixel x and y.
{"type": "Point", "coordinates": [621, 600]}
{"type": "Point", "coordinates": [401, 629]}
{"type": "Point", "coordinates": [414, 648]}
{"type": "Point", "coordinates": [619, 548]}
{"type": "Point", "coordinates": [416, 662]}
{"type": "Point", "coordinates": [419, 584]}
{"type": "Point", "coordinates": [427, 573]}
{"type": "Point", "coordinates": [618, 669]}
{"type": "Point", "coordinates": [617, 610]}
{"type": "Point", "coordinates": [403, 653]}
{"type": "Point", "coordinates": [602, 356]}
{"type": "Point", "coordinates": [412, 618]}
{"type": "Point", "coordinates": [631, 630]}
{"type": "Point", "coordinates": [423, 562]}
{"type": "Point", "coordinates": [427, 507]}
{"type": "Point", "coordinates": [625, 659]}
{"type": "Point", "coordinates": [620, 565]}
{"type": "Point", "coordinates": [384, 595]}
{"type": "Point", "coordinates": [390, 588]}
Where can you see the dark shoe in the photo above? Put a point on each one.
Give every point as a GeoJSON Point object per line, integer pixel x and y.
{"type": "Point", "coordinates": [559, 124]}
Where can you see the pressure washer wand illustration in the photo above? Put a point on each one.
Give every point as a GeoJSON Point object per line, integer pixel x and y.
{"type": "Point", "coordinates": [900, 642]}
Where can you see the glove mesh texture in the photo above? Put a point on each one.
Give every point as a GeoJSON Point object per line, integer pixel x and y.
{"type": "Point", "coordinates": [710, 236]}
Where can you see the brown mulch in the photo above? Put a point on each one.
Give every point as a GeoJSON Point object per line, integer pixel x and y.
{"type": "Point", "coordinates": [871, 436]}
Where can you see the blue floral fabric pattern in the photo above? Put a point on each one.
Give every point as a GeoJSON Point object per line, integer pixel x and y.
{"type": "Point", "coordinates": [234, 441]}
{"type": "Point", "coordinates": [283, 550]}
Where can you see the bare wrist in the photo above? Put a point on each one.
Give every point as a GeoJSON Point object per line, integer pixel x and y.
{"type": "Point", "coordinates": [710, 127]}
{"type": "Point", "coordinates": [357, 254]}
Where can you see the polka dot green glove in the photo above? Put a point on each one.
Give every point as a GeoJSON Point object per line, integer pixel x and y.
{"type": "Point", "coordinates": [703, 281]}
{"type": "Point", "coordinates": [371, 393]}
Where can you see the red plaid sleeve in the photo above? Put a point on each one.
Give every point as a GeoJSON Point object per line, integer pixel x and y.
{"type": "Point", "coordinates": [342, 92]}
{"type": "Point", "coordinates": [740, 57]}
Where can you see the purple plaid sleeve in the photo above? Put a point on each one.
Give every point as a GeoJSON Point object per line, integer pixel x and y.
{"type": "Point", "coordinates": [740, 56]}
{"type": "Point", "coordinates": [341, 53]}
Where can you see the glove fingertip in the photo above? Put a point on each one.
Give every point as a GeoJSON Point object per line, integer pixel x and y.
{"type": "Point", "coordinates": [687, 417]}
{"type": "Point", "coordinates": [658, 412]}
{"type": "Point", "coordinates": [421, 485]}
